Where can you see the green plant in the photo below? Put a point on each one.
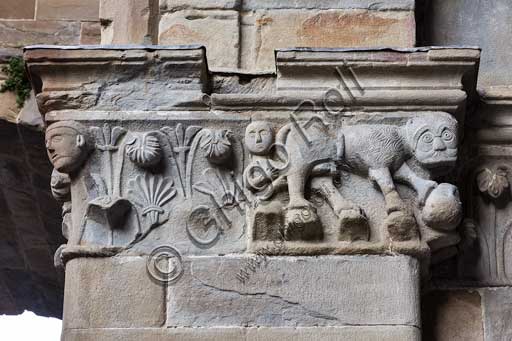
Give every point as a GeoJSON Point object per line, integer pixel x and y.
{"type": "Point", "coordinates": [17, 80]}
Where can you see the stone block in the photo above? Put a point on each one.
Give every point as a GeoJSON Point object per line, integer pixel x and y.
{"type": "Point", "coordinates": [111, 293]}
{"type": "Point", "coordinates": [217, 30]}
{"type": "Point", "coordinates": [18, 33]}
{"type": "Point", "coordinates": [135, 22]}
{"type": "Point", "coordinates": [17, 9]}
{"type": "Point", "coordinates": [90, 33]}
{"type": "Point", "coordinates": [395, 333]}
{"type": "Point", "coordinates": [386, 5]}
{"type": "Point", "coordinates": [176, 5]}
{"type": "Point", "coordinates": [68, 10]}
{"type": "Point", "coordinates": [454, 315]}
{"type": "Point", "coordinates": [267, 30]}
{"type": "Point", "coordinates": [497, 306]}
{"type": "Point", "coordinates": [295, 292]}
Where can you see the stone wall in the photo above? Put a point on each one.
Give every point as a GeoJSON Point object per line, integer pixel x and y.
{"type": "Point", "coordinates": [244, 34]}
{"type": "Point", "coordinates": [61, 22]}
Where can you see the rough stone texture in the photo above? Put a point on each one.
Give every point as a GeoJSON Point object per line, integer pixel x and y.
{"type": "Point", "coordinates": [453, 315]}
{"type": "Point", "coordinates": [303, 291]}
{"type": "Point", "coordinates": [67, 10]}
{"type": "Point", "coordinates": [395, 333]}
{"type": "Point", "coordinates": [217, 30]}
{"type": "Point", "coordinates": [497, 304]}
{"type": "Point", "coordinates": [19, 33]}
{"type": "Point", "coordinates": [244, 34]}
{"type": "Point", "coordinates": [266, 30]}
{"type": "Point", "coordinates": [112, 293]}
{"type": "Point", "coordinates": [90, 33]}
{"type": "Point", "coordinates": [132, 23]}
{"type": "Point", "coordinates": [447, 24]}
{"type": "Point", "coordinates": [17, 9]}
{"type": "Point", "coordinates": [330, 4]}
{"type": "Point", "coordinates": [177, 5]}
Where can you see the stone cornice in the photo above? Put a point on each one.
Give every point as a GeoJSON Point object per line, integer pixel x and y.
{"type": "Point", "coordinates": [429, 79]}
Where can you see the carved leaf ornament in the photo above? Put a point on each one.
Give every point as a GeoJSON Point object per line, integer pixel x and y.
{"type": "Point", "coordinates": [492, 182]}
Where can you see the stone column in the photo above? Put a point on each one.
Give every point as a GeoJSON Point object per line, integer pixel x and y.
{"type": "Point", "coordinates": [303, 205]}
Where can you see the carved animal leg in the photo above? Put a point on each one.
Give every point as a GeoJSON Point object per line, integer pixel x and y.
{"type": "Point", "coordinates": [421, 186]}
{"type": "Point", "coordinates": [301, 222]}
{"type": "Point", "coordinates": [400, 222]}
{"type": "Point", "coordinates": [296, 184]}
{"type": "Point", "coordinates": [383, 178]}
{"type": "Point", "coordinates": [352, 222]}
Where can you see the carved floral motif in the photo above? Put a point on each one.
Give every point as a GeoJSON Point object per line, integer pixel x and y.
{"type": "Point", "coordinates": [144, 149]}
{"type": "Point", "coordinates": [152, 193]}
{"type": "Point", "coordinates": [217, 146]}
{"type": "Point", "coordinates": [493, 182]}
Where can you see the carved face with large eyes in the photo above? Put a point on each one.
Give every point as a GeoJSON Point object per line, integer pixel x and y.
{"type": "Point", "coordinates": [259, 137]}
{"type": "Point", "coordinates": [433, 141]}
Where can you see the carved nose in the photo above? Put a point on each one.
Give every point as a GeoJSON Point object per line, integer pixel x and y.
{"type": "Point", "coordinates": [439, 144]}
{"type": "Point", "coordinates": [258, 138]}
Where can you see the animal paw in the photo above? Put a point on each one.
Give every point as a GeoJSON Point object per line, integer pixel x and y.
{"type": "Point", "coordinates": [302, 223]}
{"type": "Point", "coordinates": [401, 226]}
{"type": "Point", "coordinates": [353, 225]}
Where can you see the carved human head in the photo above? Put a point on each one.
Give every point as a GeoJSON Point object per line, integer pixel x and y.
{"type": "Point", "coordinates": [259, 137]}
{"type": "Point", "coordinates": [433, 139]}
{"type": "Point", "coordinates": [68, 144]}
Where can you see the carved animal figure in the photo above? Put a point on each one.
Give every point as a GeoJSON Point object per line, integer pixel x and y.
{"type": "Point", "coordinates": [378, 151]}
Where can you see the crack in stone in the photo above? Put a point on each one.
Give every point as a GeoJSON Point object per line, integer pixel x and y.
{"type": "Point", "coordinates": [312, 313]}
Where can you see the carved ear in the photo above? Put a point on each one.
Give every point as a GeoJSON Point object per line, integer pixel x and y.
{"type": "Point", "coordinates": [80, 140]}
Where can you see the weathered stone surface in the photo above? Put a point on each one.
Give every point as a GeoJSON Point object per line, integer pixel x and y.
{"type": "Point", "coordinates": [68, 10]}
{"type": "Point", "coordinates": [111, 293]}
{"type": "Point", "coordinates": [19, 33]}
{"type": "Point", "coordinates": [135, 22]}
{"type": "Point", "coordinates": [217, 30]}
{"type": "Point", "coordinates": [90, 33]}
{"type": "Point", "coordinates": [330, 4]}
{"type": "Point", "coordinates": [303, 291]}
{"type": "Point", "coordinates": [177, 5]}
{"type": "Point", "coordinates": [267, 30]}
{"type": "Point", "coordinates": [447, 24]}
{"type": "Point", "coordinates": [142, 157]}
{"type": "Point", "coordinates": [497, 304]}
{"type": "Point", "coordinates": [174, 5]}
{"type": "Point", "coordinates": [366, 333]}
{"type": "Point", "coordinates": [152, 155]}
{"type": "Point", "coordinates": [452, 315]}
{"type": "Point", "coordinates": [17, 9]}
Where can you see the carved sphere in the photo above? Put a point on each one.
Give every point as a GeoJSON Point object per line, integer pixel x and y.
{"type": "Point", "coordinates": [443, 209]}
{"type": "Point", "coordinates": [144, 150]}
{"type": "Point", "coordinates": [217, 146]}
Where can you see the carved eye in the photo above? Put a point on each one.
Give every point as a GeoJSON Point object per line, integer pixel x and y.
{"type": "Point", "coordinates": [448, 135]}
{"type": "Point", "coordinates": [57, 138]}
{"type": "Point", "coordinates": [252, 133]}
{"type": "Point", "coordinates": [427, 138]}
{"type": "Point", "coordinates": [264, 133]}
